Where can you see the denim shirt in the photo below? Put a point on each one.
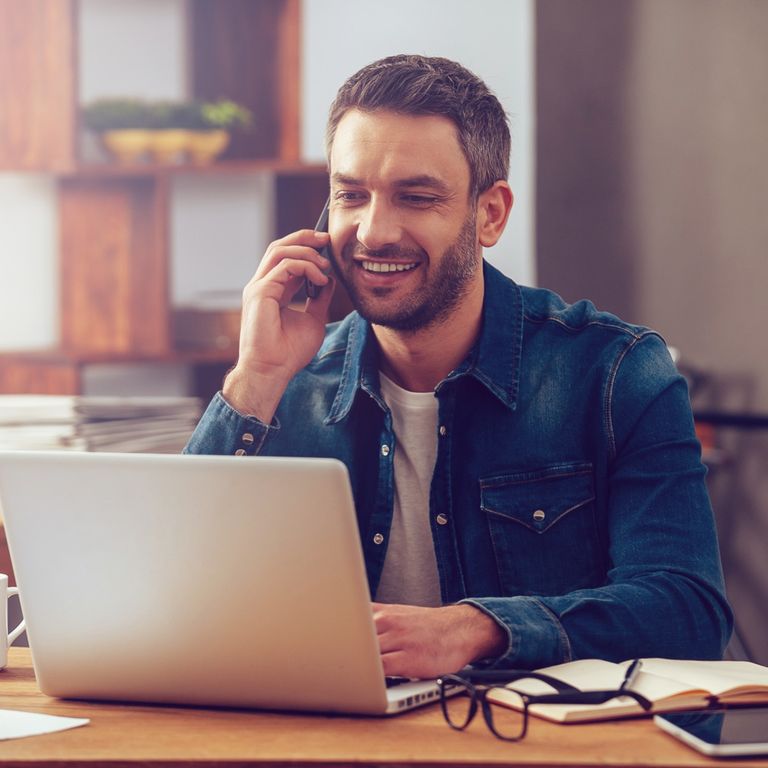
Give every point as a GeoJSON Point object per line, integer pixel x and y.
{"type": "Point", "coordinates": [568, 498]}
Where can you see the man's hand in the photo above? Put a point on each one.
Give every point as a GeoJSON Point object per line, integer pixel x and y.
{"type": "Point", "coordinates": [276, 341]}
{"type": "Point", "coordinates": [429, 642]}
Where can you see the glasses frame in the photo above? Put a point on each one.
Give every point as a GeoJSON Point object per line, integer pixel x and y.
{"type": "Point", "coordinates": [479, 683]}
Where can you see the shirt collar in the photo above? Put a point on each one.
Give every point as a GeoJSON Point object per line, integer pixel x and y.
{"type": "Point", "coordinates": [360, 369]}
{"type": "Point", "coordinates": [494, 361]}
{"type": "Point", "coordinates": [497, 355]}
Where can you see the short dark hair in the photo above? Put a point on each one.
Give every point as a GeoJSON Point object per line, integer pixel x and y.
{"type": "Point", "coordinates": [421, 85]}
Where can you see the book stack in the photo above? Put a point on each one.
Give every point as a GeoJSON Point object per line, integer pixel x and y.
{"type": "Point", "coordinates": [84, 423]}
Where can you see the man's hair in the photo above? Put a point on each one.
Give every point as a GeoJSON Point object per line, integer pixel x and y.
{"type": "Point", "coordinates": [421, 85]}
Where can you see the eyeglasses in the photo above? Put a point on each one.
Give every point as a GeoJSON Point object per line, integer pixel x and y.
{"type": "Point", "coordinates": [461, 695]}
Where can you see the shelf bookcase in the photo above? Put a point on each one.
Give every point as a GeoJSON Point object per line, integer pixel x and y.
{"type": "Point", "coordinates": [114, 231]}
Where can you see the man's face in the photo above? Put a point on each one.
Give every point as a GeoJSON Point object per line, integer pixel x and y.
{"type": "Point", "coordinates": [402, 223]}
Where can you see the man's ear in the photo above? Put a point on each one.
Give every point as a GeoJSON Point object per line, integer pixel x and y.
{"type": "Point", "coordinates": [493, 207]}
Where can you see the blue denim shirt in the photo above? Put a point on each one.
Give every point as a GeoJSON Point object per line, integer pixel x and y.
{"type": "Point", "coordinates": [568, 498]}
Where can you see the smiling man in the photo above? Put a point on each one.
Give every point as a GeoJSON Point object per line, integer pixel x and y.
{"type": "Point", "coordinates": [528, 483]}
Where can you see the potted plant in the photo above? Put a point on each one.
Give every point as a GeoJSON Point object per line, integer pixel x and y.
{"type": "Point", "coordinates": [169, 130]}
{"type": "Point", "coordinates": [122, 124]}
{"type": "Point", "coordinates": [169, 138]}
{"type": "Point", "coordinates": [210, 137]}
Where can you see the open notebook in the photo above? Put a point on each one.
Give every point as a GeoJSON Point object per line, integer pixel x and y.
{"type": "Point", "coordinates": [669, 684]}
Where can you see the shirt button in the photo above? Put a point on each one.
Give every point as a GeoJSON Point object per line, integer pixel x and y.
{"type": "Point", "coordinates": [378, 539]}
{"type": "Point", "coordinates": [247, 438]}
{"type": "Point", "coordinates": [539, 515]}
{"type": "Point", "coordinates": [441, 519]}
{"type": "Point", "coordinates": [443, 431]}
{"type": "Point", "coordinates": [240, 452]}
{"type": "Point", "coordinates": [385, 450]}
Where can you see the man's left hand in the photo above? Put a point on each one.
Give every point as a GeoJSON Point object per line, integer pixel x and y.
{"type": "Point", "coordinates": [429, 642]}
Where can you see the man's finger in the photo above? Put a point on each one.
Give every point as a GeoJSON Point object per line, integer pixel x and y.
{"type": "Point", "coordinates": [307, 247]}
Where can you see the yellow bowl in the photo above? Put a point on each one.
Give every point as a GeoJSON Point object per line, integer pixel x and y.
{"type": "Point", "coordinates": [128, 146]}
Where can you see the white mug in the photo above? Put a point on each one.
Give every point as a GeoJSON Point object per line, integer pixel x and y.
{"type": "Point", "coordinates": [6, 639]}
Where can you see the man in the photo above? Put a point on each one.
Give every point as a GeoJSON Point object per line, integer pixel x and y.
{"type": "Point", "coordinates": [528, 483]}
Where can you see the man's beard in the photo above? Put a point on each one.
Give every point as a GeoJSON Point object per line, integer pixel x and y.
{"type": "Point", "coordinates": [431, 303]}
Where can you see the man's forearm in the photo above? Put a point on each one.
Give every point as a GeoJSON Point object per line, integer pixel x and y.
{"type": "Point", "coordinates": [662, 614]}
{"type": "Point", "coordinates": [224, 431]}
{"type": "Point", "coordinates": [252, 394]}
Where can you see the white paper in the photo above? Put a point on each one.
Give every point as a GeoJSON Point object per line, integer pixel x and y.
{"type": "Point", "coordinates": [15, 725]}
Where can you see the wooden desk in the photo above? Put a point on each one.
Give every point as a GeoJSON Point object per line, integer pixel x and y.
{"type": "Point", "coordinates": [122, 735]}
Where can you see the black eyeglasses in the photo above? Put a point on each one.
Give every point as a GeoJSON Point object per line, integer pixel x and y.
{"type": "Point", "coordinates": [460, 696]}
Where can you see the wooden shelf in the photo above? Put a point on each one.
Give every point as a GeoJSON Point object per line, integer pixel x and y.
{"type": "Point", "coordinates": [70, 357]}
{"type": "Point", "coordinates": [113, 220]}
{"type": "Point", "coordinates": [60, 371]}
{"type": "Point", "coordinates": [39, 126]}
{"type": "Point", "coordinates": [227, 167]}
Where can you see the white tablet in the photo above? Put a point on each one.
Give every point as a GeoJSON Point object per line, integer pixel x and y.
{"type": "Point", "coordinates": [720, 732]}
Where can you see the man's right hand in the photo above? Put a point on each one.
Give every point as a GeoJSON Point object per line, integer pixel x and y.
{"type": "Point", "coordinates": [276, 341]}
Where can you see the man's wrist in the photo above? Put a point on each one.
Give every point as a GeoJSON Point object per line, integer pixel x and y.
{"type": "Point", "coordinates": [251, 394]}
{"type": "Point", "coordinates": [488, 638]}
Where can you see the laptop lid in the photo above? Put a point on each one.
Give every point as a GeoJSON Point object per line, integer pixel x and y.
{"type": "Point", "coordinates": [193, 579]}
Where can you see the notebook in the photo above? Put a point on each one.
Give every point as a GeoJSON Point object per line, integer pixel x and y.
{"type": "Point", "coordinates": [203, 580]}
{"type": "Point", "coordinates": [669, 684]}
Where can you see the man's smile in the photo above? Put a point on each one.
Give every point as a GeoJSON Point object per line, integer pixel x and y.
{"type": "Point", "coordinates": [387, 266]}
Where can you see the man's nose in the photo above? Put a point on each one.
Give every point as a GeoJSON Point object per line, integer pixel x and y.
{"type": "Point", "coordinates": [378, 226]}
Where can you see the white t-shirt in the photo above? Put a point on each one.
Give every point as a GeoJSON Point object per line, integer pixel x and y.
{"type": "Point", "coordinates": [410, 567]}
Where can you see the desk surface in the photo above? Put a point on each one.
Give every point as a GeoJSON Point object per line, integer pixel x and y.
{"type": "Point", "coordinates": [125, 735]}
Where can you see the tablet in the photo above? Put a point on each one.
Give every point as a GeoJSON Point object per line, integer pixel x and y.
{"type": "Point", "coordinates": [721, 732]}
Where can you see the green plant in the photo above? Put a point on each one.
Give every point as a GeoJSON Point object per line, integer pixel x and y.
{"type": "Point", "coordinates": [225, 114]}
{"type": "Point", "coordinates": [188, 114]}
{"type": "Point", "coordinates": [161, 115]}
{"type": "Point", "coordinates": [111, 114]}
{"type": "Point", "coordinates": [122, 113]}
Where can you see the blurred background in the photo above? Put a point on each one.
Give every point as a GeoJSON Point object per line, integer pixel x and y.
{"type": "Point", "coordinates": [639, 167]}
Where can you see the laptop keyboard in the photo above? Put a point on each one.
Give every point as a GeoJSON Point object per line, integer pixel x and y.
{"type": "Point", "coordinates": [393, 681]}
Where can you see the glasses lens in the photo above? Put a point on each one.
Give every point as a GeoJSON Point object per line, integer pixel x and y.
{"type": "Point", "coordinates": [506, 722]}
{"type": "Point", "coordinates": [457, 703]}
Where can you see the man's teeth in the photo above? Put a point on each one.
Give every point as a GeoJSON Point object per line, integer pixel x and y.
{"type": "Point", "coordinates": [379, 266]}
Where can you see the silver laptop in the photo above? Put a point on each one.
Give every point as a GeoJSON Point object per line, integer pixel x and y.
{"type": "Point", "coordinates": [214, 581]}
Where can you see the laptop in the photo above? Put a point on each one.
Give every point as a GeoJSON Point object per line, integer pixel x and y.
{"type": "Point", "coordinates": [201, 580]}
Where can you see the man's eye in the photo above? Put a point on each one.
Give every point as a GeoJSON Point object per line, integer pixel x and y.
{"type": "Point", "coordinates": [419, 199]}
{"type": "Point", "coordinates": [348, 197]}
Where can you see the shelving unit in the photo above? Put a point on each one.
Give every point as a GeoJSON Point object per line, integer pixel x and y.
{"type": "Point", "coordinates": [114, 230]}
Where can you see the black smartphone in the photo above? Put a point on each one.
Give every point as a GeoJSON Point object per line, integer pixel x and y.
{"type": "Point", "coordinates": [311, 289]}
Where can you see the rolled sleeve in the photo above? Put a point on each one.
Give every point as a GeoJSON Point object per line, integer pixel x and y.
{"type": "Point", "coordinates": [535, 637]}
{"type": "Point", "coordinates": [224, 431]}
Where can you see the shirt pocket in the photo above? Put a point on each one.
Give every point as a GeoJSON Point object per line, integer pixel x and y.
{"type": "Point", "coordinates": [543, 529]}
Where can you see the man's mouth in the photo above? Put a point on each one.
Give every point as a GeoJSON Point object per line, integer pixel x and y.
{"type": "Point", "coordinates": [387, 266]}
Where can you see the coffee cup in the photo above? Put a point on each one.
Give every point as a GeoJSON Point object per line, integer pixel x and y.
{"type": "Point", "coordinates": [6, 639]}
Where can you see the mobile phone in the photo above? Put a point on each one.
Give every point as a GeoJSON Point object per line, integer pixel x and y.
{"type": "Point", "coordinates": [312, 290]}
{"type": "Point", "coordinates": [722, 732]}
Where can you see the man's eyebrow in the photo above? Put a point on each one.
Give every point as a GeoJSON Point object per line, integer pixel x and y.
{"type": "Point", "coordinates": [423, 180]}
{"type": "Point", "coordinates": [351, 181]}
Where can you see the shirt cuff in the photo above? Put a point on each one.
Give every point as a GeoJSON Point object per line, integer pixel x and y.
{"type": "Point", "coordinates": [224, 431]}
{"type": "Point", "coordinates": [536, 638]}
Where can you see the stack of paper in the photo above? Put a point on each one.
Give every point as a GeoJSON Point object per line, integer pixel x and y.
{"type": "Point", "coordinates": [118, 424]}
